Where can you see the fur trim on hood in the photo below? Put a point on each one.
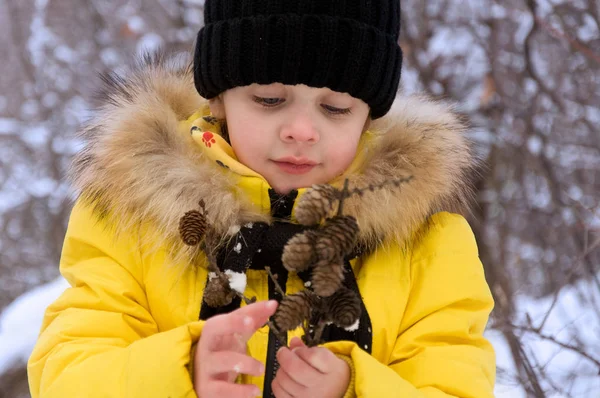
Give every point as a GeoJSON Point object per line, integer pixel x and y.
{"type": "Point", "coordinates": [137, 167]}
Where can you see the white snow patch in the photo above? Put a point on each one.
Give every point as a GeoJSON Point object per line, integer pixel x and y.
{"type": "Point", "coordinates": [237, 280]}
{"type": "Point", "coordinates": [575, 192]}
{"type": "Point", "coordinates": [40, 35]}
{"type": "Point", "coordinates": [589, 29]}
{"type": "Point", "coordinates": [354, 326]}
{"type": "Point", "coordinates": [150, 42]}
{"type": "Point", "coordinates": [9, 126]}
{"type": "Point", "coordinates": [29, 108]}
{"type": "Point", "coordinates": [42, 188]}
{"type": "Point", "coordinates": [136, 24]}
{"type": "Point", "coordinates": [110, 57]}
{"type": "Point", "coordinates": [63, 82]}
{"type": "Point", "coordinates": [36, 136]}
{"type": "Point", "coordinates": [535, 145]}
{"type": "Point", "coordinates": [50, 100]}
{"type": "Point", "coordinates": [498, 11]}
{"type": "Point", "coordinates": [238, 248]}
{"type": "Point", "coordinates": [21, 320]}
{"type": "Point", "coordinates": [574, 321]}
{"type": "Point", "coordinates": [65, 54]}
{"type": "Point", "coordinates": [10, 199]}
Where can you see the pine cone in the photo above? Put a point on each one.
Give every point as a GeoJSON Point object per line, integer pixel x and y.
{"type": "Point", "coordinates": [315, 204]}
{"type": "Point", "coordinates": [294, 309]}
{"type": "Point", "coordinates": [192, 226]}
{"type": "Point", "coordinates": [218, 293]}
{"type": "Point", "coordinates": [343, 307]}
{"type": "Point", "coordinates": [299, 252]}
{"type": "Point", "coordinates": [327, 278]}
{"type": "Point", "coordinates": [337, 238]}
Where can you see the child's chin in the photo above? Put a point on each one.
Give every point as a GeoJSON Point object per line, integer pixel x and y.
{"type": "Point", "coordinates": [286, 189]}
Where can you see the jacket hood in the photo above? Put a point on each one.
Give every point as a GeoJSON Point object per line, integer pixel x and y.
{"type": "Point", "coordinates": [140, 165]}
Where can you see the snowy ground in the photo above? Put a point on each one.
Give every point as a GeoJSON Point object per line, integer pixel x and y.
{"type": "Point", "coordinates": [20, 323]}
{"type": "Point", "coordinates": [573, 321]}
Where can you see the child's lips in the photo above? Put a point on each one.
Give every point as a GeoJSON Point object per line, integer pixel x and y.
{"type": "Point", "coordinates": [295, 166]}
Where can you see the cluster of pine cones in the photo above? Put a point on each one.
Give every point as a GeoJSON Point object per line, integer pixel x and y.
{"type": "Point", "coordinates": [322, 250]}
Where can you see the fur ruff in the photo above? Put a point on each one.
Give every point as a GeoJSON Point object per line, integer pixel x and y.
{"type": "Point", "coordinates": [137, 168]}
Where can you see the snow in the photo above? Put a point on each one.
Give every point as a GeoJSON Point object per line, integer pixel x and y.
{"type": "Point", "coordinates": [36, 136]}
{"type": "Point", "coordinates": [238, 248]}
{"type": "Point", "coordinates": [21, 320]}
{"type": "Point", "coordinates": [50, 100]}
{"type": "Point", "coordinates": [149, 42]}
{"type": "Point", "coordinates": [237, 280]}
{"type": "Point", "coordinates": [574, 321]}
{"type": "Point", "coordinates": [354, 326]}
{"type": "Point", "coordinates": [136, 24]}
{"type": "Point", "coordinates": [29, 109]}
{"type": "Point", "coordinates": [40, 36]}
{"type": "Point", "coordinates": [588, 30]}
{"type": "Point", "coordinates": [65, 54]}
{"type": "Point", "coordinates": [535, 145]}
{"type": "Point", "coordinates": [41, 188]}
{"type": "Point", "coordinates": [11, 198]}
{"type": "Point", "coordinates": [9, 126]}
{"type": "Point", "coordinates": [110, 57]}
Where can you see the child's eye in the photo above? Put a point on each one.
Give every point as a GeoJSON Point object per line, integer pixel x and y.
{"type": "Point", "coordinates": [336, 111]}
{"type": "Point", "coordinates": [268, 102]}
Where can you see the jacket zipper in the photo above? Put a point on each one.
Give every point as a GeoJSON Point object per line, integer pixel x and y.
{"type": "Point", "coordinates": [274, 345]}
{"type": "Point", "coordinates": [272, 364]}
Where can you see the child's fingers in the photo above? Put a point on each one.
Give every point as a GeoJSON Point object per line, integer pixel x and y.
{"type": "Point", "coordinates": [243, 321]}
{"type": "Point", "coordinates": [281, 389]}
{"type": "Point", "coordinates": [296, 342]}
{"type": "Point", "coordinates": [229, 361]}
{"type": "Point", "coordinates": [287, 382]}
{"type": "Point", "coordinates": [319, 358]}
{"type": "Point", "coordinates": [298, 369]}
{"type": "Point", "coordinates": [224, 389]}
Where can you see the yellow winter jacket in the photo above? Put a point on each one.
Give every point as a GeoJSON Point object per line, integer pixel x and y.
{"type": "Point", "coordinates": [128, 325]}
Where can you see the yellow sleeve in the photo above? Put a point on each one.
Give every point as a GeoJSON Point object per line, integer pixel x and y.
{"type": "Point", "coordinates": [99, 338]}
{"type": "Point", "coordinates": [440, 350]}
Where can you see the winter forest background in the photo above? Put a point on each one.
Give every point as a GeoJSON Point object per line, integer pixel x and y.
{"type": "Point", "coordinates": [526, 72]}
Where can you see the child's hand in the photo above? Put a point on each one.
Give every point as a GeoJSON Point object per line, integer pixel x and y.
{"type": "Point", "coordinates": [221, 352]}
{"type": "Point", "coordinates": [310, 372]}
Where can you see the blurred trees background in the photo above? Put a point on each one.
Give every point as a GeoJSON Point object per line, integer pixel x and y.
{"type": "Point", "coordinates": [526, 73]}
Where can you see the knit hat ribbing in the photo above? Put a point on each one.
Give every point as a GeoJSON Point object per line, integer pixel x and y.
{"type": "Point", "coordinates": [346, 45]}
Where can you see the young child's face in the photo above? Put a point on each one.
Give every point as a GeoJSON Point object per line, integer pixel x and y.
{"type": "Point", "coordinates": [294, 136]}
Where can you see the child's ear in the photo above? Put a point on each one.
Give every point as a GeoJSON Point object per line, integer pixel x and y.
{"type": "Point", "coordinates": [217, 108]}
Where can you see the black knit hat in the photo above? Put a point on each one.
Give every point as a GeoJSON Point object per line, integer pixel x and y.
{"type": "Point", "coordinates": [348, 46]}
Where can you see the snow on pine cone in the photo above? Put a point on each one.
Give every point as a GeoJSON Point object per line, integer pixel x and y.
{"type": "Point", "coordinates": [343, 307]}
{"type": "Point", "coordinates": [294, 309]}
{"type": "Point", "coordinates": [218, 292]}
{"type": "Point", "coordinates": [327, 277]}
{"type": "Point", "coordinates": [337, 238]}
{"type": "Point", "coordinates": [315, 204]}
{"type": "Point", "coordinates": [299, 252]}
{"type": "Point", "coordinates": [192, 227]}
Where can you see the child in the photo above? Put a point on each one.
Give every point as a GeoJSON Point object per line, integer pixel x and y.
{"type": "Point", "coordinates": [292, 94]}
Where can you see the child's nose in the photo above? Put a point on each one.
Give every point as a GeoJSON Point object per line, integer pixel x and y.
{"type": "Point", "coordinates": [300, 128]}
